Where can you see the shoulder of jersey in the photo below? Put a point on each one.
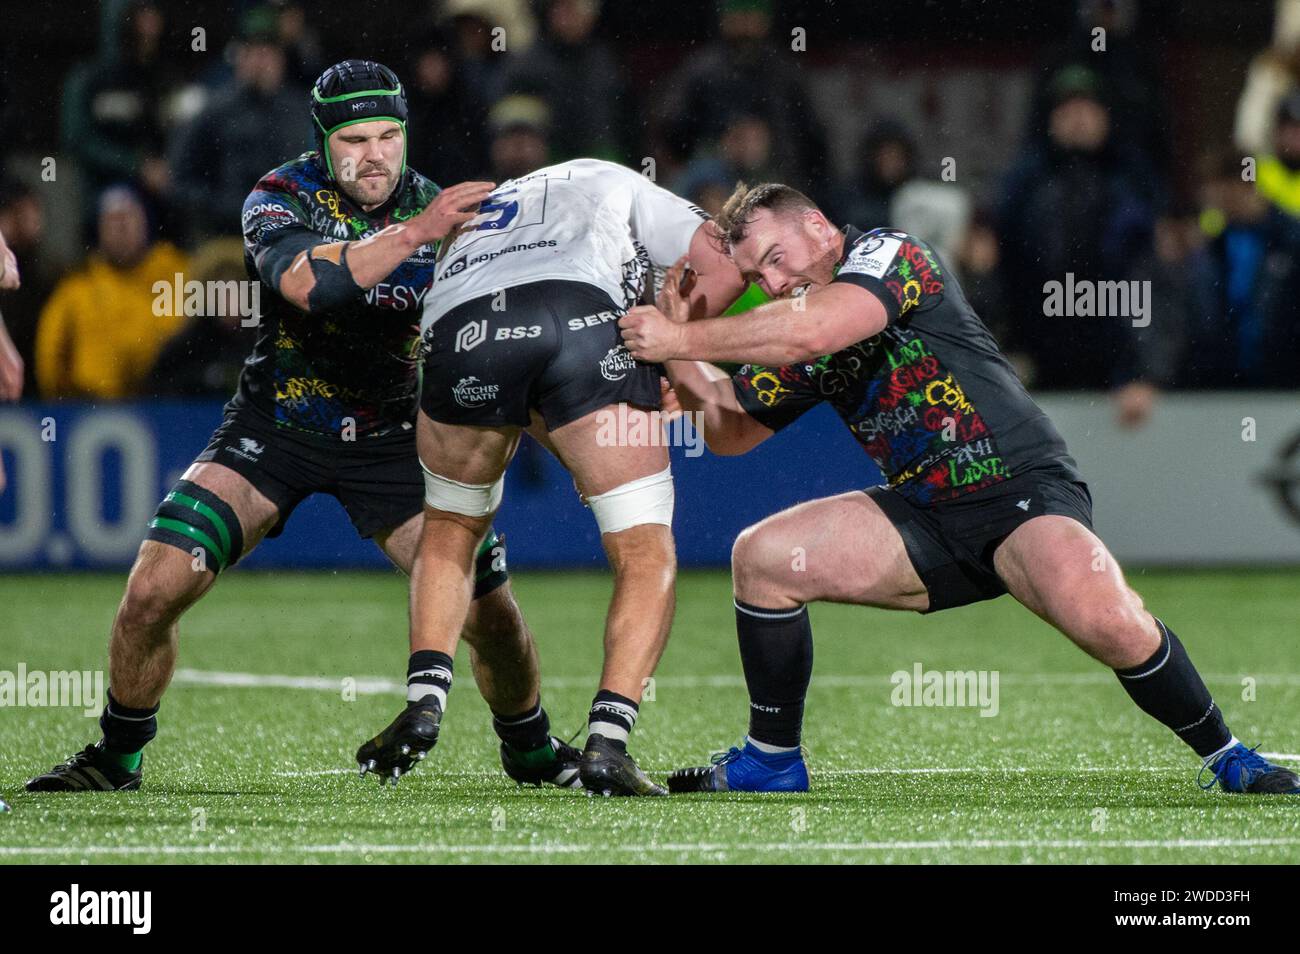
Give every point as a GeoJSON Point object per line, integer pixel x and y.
{"type": "Point", "coordinates": [881, 233]}
{"type": "Point", "coordinates": [421, 188]}
{"type": "Point", "coordinates": [872, 252]}
{"type": "Point", "coordinates": [888, 241]}
{"type": "Point", "coordinates": [296, 175]}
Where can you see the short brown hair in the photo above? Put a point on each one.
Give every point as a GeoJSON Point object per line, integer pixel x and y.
{"type": "Point", "coordinates": [738, 211]}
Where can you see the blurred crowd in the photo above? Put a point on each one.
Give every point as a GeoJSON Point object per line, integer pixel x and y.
{"type": "Point", "coordinates": [1094, 187]}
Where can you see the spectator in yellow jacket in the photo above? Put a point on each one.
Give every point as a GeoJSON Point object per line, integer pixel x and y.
{"type": "Point", "coordinates": [98, 335]}
{"type": "Point", "coordinates": [1278, 175]}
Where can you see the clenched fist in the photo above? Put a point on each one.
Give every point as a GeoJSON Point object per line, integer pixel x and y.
{"type": "Point", "coordinates": [651, 336]}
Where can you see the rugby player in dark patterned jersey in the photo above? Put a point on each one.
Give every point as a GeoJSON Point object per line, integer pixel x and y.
{"type": "Point", "coordinates": [343, 240]}
{"type": "Point", "coordinates": [982, 497]}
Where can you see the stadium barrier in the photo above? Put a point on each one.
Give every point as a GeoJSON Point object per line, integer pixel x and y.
{"type": "Point", "coordinates": [1211, 479]}
{"type": "Point", "coordinates": [85, 479]}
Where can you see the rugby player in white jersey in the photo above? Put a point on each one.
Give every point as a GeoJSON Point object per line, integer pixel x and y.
{"type": "Point", "coordinates": [521, 333]}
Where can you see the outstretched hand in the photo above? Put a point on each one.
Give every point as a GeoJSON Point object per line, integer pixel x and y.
{"type": "Point", "coordinates": [674, 295]}
{"type": "Point", "coordinates": [11, 362]}
{"type": "Point", "coordinates": [453, 207]}
{"type": "Point", "coordinates": [670, 405]}
{"type": "Point", "coordinates": [11, 368]}
{"type": "Point", "coordinates": [655, 333]}
{"type": "Point", "coordinates": [9, 277]}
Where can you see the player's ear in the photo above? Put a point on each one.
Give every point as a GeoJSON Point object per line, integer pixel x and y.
{"type": "Point", "coordinates": [816, 223]}
{"type": "Point", "coordinates": [708, 252]}
{"type": "Point", "coordinates": [712, 234]}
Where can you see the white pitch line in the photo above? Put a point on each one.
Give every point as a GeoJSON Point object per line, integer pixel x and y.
{"type": "Point", "coordinates": [827, 773]}
{"type": "Point", "coordinates": [334, 771]}
{"type": "Point", "coordinates": [651, 848]}
{"type": "Point", "coordinates": [1011, 769]}
{"type": "Point", "coordinates": [365, 685]}
{"type": "Point", "coordinates": [379, 685]}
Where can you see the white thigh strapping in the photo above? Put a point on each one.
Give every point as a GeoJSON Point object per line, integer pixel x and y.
{"type": "Point", "coordinates": [470, 500]}
{"type": "Point", "coordinates": [645, 500]}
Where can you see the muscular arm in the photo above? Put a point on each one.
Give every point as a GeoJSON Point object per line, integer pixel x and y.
{"type": "Point", "coordinates": [326, 274]}
{"type": "Point", "coordinates": [702, 388]}
{"type": "Point", "coordinates": [366, 262]}
{"type": "Point", "coordinates": [726, 427]}
{"type": "Point", "coordinates": [789, 330]}
{"type": "Point", "coordinates": [782, 332]}
{"type": "Point", "coordinates": [11, 366]}
{"type": "Point", "coordinates": [11, 363]}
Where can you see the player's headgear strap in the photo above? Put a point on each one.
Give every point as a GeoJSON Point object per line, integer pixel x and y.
{"type": "Point", "coordinates": [355, 91]}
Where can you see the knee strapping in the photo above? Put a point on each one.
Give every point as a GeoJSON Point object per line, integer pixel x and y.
{"type": "Point", "coordinates": [194, 518]}
{"type": "Point", "coordinates": [645, 500]}
{"type": "Point", "coordinates": [468, 500]}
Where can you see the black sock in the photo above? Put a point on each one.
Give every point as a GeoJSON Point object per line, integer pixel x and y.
{"type": "Point", "coordinates": [126, 730]}
{"type": "Point", "coordinates": [776, 651]}
{"type": "Point", "coordinates": [428, 673]}
{"type": "Point", "coordinates": [1168, 688]}
{"type": "Point", "coordinates": [526, 731]}
{"type": "Point", "coordinates": [612, 716]}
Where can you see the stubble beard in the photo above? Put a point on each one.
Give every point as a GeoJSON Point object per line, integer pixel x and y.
{"type": "Point", "coordinates": [364, 192]}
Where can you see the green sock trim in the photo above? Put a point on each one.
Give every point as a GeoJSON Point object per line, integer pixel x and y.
{"type": "Point", "coordinates": [484, 552]}
{"type": "Point", "coordinates": [536, 758]}
{"type": "Point", "coordinates": [127, 760]}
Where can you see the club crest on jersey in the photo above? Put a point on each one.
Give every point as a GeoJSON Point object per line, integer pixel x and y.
{"type": "Point", "coordinates": [471, 335]}
{"type": "Point", "coordinates": [618, 361]}
{"type": "Point", "coordinates": [248, 449]}
{"type": "Point", "coordinates": [470, 392]}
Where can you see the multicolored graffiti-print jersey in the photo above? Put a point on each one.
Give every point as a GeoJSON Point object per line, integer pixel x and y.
{"type": "Point", "coordinates": [352, 371]}
{"type": "Point", "coordinates": [930, 398]}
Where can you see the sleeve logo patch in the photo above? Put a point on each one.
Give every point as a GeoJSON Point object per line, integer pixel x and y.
{"type": "Point", "coordinates": [871, 256]}
{"type": "Point", "coordinates": [266, 210]}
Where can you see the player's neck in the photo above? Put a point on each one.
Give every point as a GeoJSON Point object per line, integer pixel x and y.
{"type": "Point", "coordinates": [837, 244]}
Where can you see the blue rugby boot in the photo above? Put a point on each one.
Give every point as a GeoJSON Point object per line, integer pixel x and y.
{"type": "Point", "coordinates": [744, 770]}
{"type": "Point", "coordinates": [1244, 771]}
